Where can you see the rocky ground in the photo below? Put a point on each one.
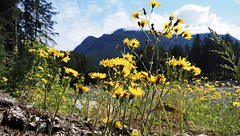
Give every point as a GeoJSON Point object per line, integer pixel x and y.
{"type": "Point", "coordinates": [15, 119]}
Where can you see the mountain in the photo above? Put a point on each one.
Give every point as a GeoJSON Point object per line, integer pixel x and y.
{"type": "Point", "coordinates": [105, 46]}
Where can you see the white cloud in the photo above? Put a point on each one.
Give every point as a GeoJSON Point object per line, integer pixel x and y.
{"type": "Point", "coordinates": [68, 10]}
{"type": "Point", "coordinates": [93, 10]}
{"type": "Point", "coordinates": [118, 20]}
{"type": "Point", "coordinates": [195, 15]}
{"type": "Point", "coordinates": [74, 34]}
{"type": "Point", "coordinates": [238, 1]}
{"type": "Point", "coordinates": [75, 23]}
{"type": "Point", "coordinates": [197, 19]}
{"type": "Point", "coordinates": [158, 21]}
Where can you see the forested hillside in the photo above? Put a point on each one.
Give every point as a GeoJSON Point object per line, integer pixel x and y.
{"type": "Point", "coordinates": [198, 50]}
{"type": "Point", "coordinates": [21, 23]}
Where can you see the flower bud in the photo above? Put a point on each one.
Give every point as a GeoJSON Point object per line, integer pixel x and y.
{"type": "Point", "coordinates": [144, 11]}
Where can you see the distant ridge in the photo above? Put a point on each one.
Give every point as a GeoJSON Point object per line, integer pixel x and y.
{"type": "Point", "coordinates": [105, 46]}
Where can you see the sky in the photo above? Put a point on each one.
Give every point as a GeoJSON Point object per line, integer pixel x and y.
{"type": "Point", "coordinates": [78, 19]}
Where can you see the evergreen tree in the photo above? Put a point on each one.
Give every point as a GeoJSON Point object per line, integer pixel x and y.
{"type": "Point", "coordinates": [227, 38]}
{"type": "Point", "coordinates": [196, 52]}
{"type": "Point", "coordinates": [36, 19]}
{"type": "Point", "coordinates": [82, 64]}
{"type": "Point", "coordinates": [186, 49]}
{"type": "Point", "coordinates": [8, 23]}
{"type": "Point", "coordinates": [236, 48]}
{"type": "Point", "coordinates": [177, 51]}
{"type": "Point", "coordinates": [210, 63]}
{"type": "Point", "coordinates": [20, 19]}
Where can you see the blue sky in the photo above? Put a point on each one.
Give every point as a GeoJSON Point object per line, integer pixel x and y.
{"type": "Point", "coordinates": [78, 19]}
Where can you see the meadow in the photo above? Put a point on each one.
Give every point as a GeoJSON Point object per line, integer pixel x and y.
{"type": "Point", "coordinates": [170, 97]}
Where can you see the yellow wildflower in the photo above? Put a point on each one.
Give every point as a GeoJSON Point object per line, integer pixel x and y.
{"type": "Point", "coordinates": [236, 103]}
{"type": "Point", "coordinates": [60, 54]}
{"type": "Point", "coordinates": [121, 62]}
{"type": "Point", "coordinates": [136, 76]}
{"type": "Point", "coordinates": [183, 63]}
{"type": "Point", "coordinates": [161, 78]}
{"type": "Point", "coordinates": [52, 50]}
{"type": "Point", "coordinates": [136, 15]}
{"type": "Point", "coordinates": [135, 91]}
{"type": "Point", "coordinates": [145, 74]}
{"type": "Point", "coordinates": [39, 67]}
{"type": "Point", "coordinates": [32, 50]}
{"type": "Point", "coordinates": [84, 88]}
{"type": "Point", "coordinates": [135, 133]}
{"type": "Point", "coordinates": [38, 75]}
{"type": "Point", "coordinates": [196, 71]}
{"type": "Point", "coordinates": [44, 80]}
{"type": "Point", "coordinates": [134, 43]}
{"type": "Point", "coordinates": [71, 71]}
{"type": "Point", "coordinates": [110, 84]}
{"type": "Point", "coordinates": [228, 94]}
{"type": "Point", "coordinates": [118, 92]}
{"type": "Point", "coordinates": [5, 79]}
{"type": "Point", "coordinates": [67, 53]}
{"type": "Point", "coordinates": [126, 94]}
{"type": "Point", "coordinates": [166, 26]}
{"type": "Point", "coordinates": [126, 71]}
{"type": "Point", "coordinates": [107, 63]}
{"type": "Point", "coordinates": [126, 41]}
{"type": "Point", "coordinates": [41, 52]}
{"type": "Point", "coordinates": [152, 79]}
{"type": "Point", "coordinates": [173, 62]}
{"type": "Point", "coordinates": [97, 75]}
{"type": "Point", "coordinates": [118, 124]}
{"type": "Point", "coordinates": [172, 17]}
{"type": "Point", "coordinates": [154, 3]}
{"type": "Point", "coordinates": [106, 120]}
{"type": "Point", "coordinates": [177, 29]}
{"type": "Point", "coordinates": [237, 91]}
{"type": "Point", "coordinates": [66, 77]}
{"type": "Point", "coordinates": [168, 34]}
{"type": "Point", "coordinates": [187, 35]}
{"type": "Point", "coordinates": [179, 21]}
{"type": "Point", "coordinates": [66, 59]}
{"type": "Point", "coordinates": [128, 57]}
{"type": "Point", "coordinates": [143, 23]}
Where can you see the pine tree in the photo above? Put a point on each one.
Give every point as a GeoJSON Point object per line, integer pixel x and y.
{"type": "Point", "coordinates": [20, 20]}
{"type": "Point", "coordinates": [8, 24]}
{"type": "Point", "coordinates": [177, 51]}
{"type": "Point", "coordinates": [36, 19]}
{"type": "Point", "coordinates": [196, 51]}
{"type": "Point", "coordinates": [186, 49]}
{"type": "Point", "coordinates": [236, 48]}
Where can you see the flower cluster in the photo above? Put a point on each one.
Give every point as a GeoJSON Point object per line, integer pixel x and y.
{"type": "Point", "coordinates": [133, 43]}
{"type": "Point", "coordinates": [52, 53]}
{"type": "Point", "coordinates": [71, 71]}
{"type": "Point", "coordinates": [109, 120]}
{"type": "Point", "coordinates": [186, 65]}
{"type": "Point", "coordinates": [97, 75]}
{"type": "Point", "coordinates": [170, 27]}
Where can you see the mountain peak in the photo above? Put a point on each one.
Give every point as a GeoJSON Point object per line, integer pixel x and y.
{"type": "Point", "coordinates": [105, 46]}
